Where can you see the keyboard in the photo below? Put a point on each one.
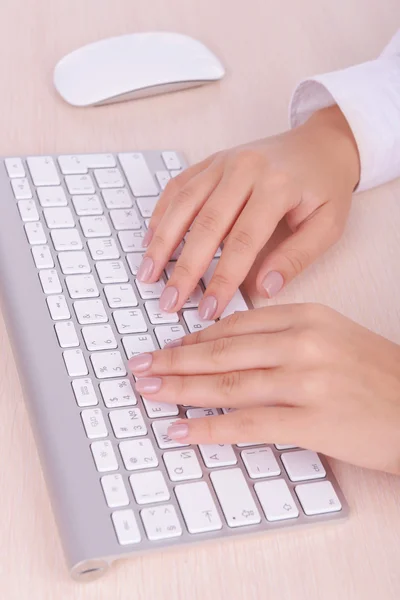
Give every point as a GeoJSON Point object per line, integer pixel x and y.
{"type": "Point", "coordinates": [70, 247]}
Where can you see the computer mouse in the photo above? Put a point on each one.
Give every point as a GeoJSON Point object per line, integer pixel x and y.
{"type": "Point", "coordinates": [133, 66]}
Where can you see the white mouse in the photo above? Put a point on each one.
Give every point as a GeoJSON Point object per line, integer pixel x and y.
{"type": "Point", "coordinates": [134, 66]}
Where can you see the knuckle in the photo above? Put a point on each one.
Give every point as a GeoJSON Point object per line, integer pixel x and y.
{"type": "Point", "coordinates": [158, 240]}
{"type": "Point", "coordinates": [207, 221]}
{"type": "Point", "coordinates": [245, 159]}
{"type": "Point", "coordinates": [297, 259]}
{"type": "Point", "coordinates": [314, 384]}
{"type": "Point", "coordinates": [182, 270]}
{"type": "Point", "coordinates": [313, 312]}
{"type": "Point", "coordinates": [245, 424]}
{"type": "Point", "coordinates": [173, 185]}
{"type": "Point", "coordinates": [219, 348]}
{"type": "Point", "coordinates": [232, 321]}
{"type": "Point", "coordinates": [310, 343]}
{"type": "Point", "coordinates": [211, 428]}
{"type": "Point", "coordinates": [228, 382]}
{"type": "Point", "coordinates": [240, 241]}
{"type": "Point", "coordinates": [220, 280]}
{"type": "Point", "coordinates": [172, 359]}
{"type": "Point", "coordinates": [184, 196]}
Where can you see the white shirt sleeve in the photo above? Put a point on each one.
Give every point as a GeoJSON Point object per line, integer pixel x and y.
{"type": "Point", "coordinates": [369, 97]}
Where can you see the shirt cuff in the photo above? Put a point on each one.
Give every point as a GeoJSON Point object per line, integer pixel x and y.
{"type": "Point", "coordinates": [369, 97]}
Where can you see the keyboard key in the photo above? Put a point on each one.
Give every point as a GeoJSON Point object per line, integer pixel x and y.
{"type": "Point", "coordinates": [218, 455]}
{"type": "Point", "coordinates": [127, 423]}
{"type": "Point", "coordinates": [52, 196]}
{"type": "Point", "coordinates": [75, 363]}
{"type": "Point", "coordinates": [209, 272]}
{"type": "Point", "coordinates": [114, 490]}
{"type": "Point", "coordinates": [168, 333]}
{"type": "Point", "coordinates": [234, 495]}
{"type": "Point", "coordinates": [109, 178]}
{"type": "Point", "coordinates": [84, 392]}
{"type": "Point", "coordinates": [86, 205]}
{"type": "Point", "coordinates": [120, 296]}
{"type": "Point", "coordinates": [148, 291]}
{"type": "Point", "coordinates": [276, 500]}
{"type": "Point", "coordinates": [147, 205]}
{"type": "Point", "coordinates": [73, 262]}
{"type": "Point", "coordinates": [138, 454]}
{"type": "Point", "coordinates": [66, 239]}
{"type": "Point", "coordinates": [35, 233]}
{"type": "Point", "coordinates": [177, 252]}
{"type": "Point", "coordinates": [161, 522]}
{"type": "Point", "coordinates": [303, 464]}
{"type": "Point", "coordinates": [125, 219]}
{"type": "Point", "coordinates": [79, 184]}
{"type": "Point", "coordinates": [59, 218]}
{"type": "Point", "coordinates": [112, 271]}
{"type": "Point", "coordinates": [42, 257]}
{"type": "Point", "coordinates": [149, 487]}
{"type": "Point", "coordinates": [118, 198]}
{"type": "Point", "coordinates": [198, 413]}
{"type": "Point", "coordinates": [160, 431]}
{"type": "Point", "coordinates": [198, 507]}
{"type": "Point", "coordinates": [99, 161]}
{"type": "Point", "coordinates": [171, 160]}
{"type": "Point", "coordinates": [182, 465]}
{"type": "Point", "coordinates": [95, 226]}
{"type": "Point", "coordinates": [117, 393]}
{"type": "Point", "coordinates": [15, 168]}
{"type": "Point", "coordinates": [193, 321]}
{"type": "Point", "coordinates": [284, 446]}
{"type": "Point", "coordinates": [318, 498]}
{"type": "Point", "coordinates": [134, 261]}
{"type": "Point", "coordinates": [50, 281]}
{"type": "Point", "coordinates": [28, 211]}
{"type": "Point", "coordinates": [99, 337]}
{"type": "Point", "coordinates": [94, 424]}
{"type": "Point", "coordinates": [66, 334]}
{"type": "Point", "coordinates": [261, 462]}
{"type": "Point", "coordinates": [72, 165]}
{"type": "Point", "coordinates": [43, 170]}
{"type": "Point", "coordinates": [137, 172]}
{"type": "Point", "coordinates": [157, 316]}
{"type": "Point", "coordinates": [21, 188]}
{"type": "Point", "coordinates": [235, 305]}
{"type": "Point", "coordinates": [131, 241]}
{"type": "Point", "coordinates": [130, 321]}
{"type": "Point", "coordinates": [103, 249]}
{"type": "Point", "coordinates": [58, 307]}
{"type": "Point", "coordinates": [81, 286]}
{"type": "Point", "coordinates": [108, 364]}
{"type": "Point", "coordinates": [160, 409]}
{"type": "Point", "coordinates": [126, 527]}
{"type": "Point", "coordinates": [163, 178]}
{"type": "Point", "coordinates": [194, 299]}
{"type": "Point", "coordinates": [90, 311]}
{"type": "Point", "coordinates": [104, 456]}
{"type": "Point", "coordinates": [137, 344]}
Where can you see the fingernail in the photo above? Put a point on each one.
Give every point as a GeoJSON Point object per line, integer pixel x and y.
{"type": "Point", "coordinates": [147, 238]}
{"type": "Point", "coordinates": [177, 432]}
{"type": "Point", "coordinates": [146, 269]}
{"type": "Point", "coordinates": [141, 362]}
{"type": "Point", "coordinates": [174, 343]}
{"type": "Point", "coordinates": [148, 385]}
{"type": "Point", "coordinates": [207, 308]}
{"type": "Point", "coordinates": [273, 283]}
{"type": "Point", "coordinates": [168, 298]}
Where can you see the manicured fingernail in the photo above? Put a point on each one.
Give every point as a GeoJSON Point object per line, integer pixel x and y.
{"type": "Point", "coordinates": [178, 432]}
{"type": "Point", "coordinates": [147, 238]}
{"type": "Point", "coordinates": [207, 308]}
{"type": "Point", "coordinates": [168, 298]}
{"type": "Point", "coordinates": [174, 343]}
{"type": "Point", "coordinates": [273, 283]}
{"type": "Point", "coordinates": [148, 385]}
{"type": "Point", "coordinates": [146, 269]}
{"type": "Point", "coordinates": [141, 362]}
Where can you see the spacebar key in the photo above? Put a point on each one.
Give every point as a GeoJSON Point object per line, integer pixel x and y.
{"type": "Point", "coordinates": [138, 174]}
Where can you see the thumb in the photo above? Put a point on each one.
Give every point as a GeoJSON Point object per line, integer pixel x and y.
{"type": "Point", "coordinates": [298, 251]}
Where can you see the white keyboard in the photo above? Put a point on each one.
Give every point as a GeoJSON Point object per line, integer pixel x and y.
{"type": "Point", "coordinates": [70, 248]}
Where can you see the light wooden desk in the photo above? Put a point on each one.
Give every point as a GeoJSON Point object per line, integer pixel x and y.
{"type": "Point", "coordinates": [267, 47]}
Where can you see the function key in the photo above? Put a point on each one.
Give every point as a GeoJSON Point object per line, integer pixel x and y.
{"type": "Point", "coordinates": [171, 161]}
{"type": "Point", "coordinates": [14, 167]}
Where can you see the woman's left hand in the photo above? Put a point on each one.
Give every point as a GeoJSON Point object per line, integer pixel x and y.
{"type": "Point", "coordinates": [299, 374]}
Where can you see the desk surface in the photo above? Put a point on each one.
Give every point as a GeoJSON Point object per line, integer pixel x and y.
{"type": "Point", "coordinates": [267, 47]}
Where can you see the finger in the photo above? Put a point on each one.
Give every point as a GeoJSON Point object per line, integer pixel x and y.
{"type": "Point", "coordinates": [228, 390]}
{"type": "Point", "coordinates": [176, 220]}
{"type": "Point", "coordinates": [298, 251]}
{"type": "Point", "coordinates": [222, 355]}
{"type": "Point", "coordinates": [174, 185]}
{"type": "Point", "coordinates": [210, 227]}
{"type": "Point", "coordinates": [251, 231]}
{"type": "Point", "coordinates": [276, 425]}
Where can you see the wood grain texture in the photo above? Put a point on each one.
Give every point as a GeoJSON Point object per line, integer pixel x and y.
{"type": "Point", "coordinates": [268, 47]}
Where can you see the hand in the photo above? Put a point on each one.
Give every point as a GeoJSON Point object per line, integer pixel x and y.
{"type": "Point", "coordinates": [306, 175]}
{"type": "Point", "coordinates": [299, 374]}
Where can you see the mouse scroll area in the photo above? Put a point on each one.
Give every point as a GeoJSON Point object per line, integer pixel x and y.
{"type": "Point", "coordinates": [155, 90]}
